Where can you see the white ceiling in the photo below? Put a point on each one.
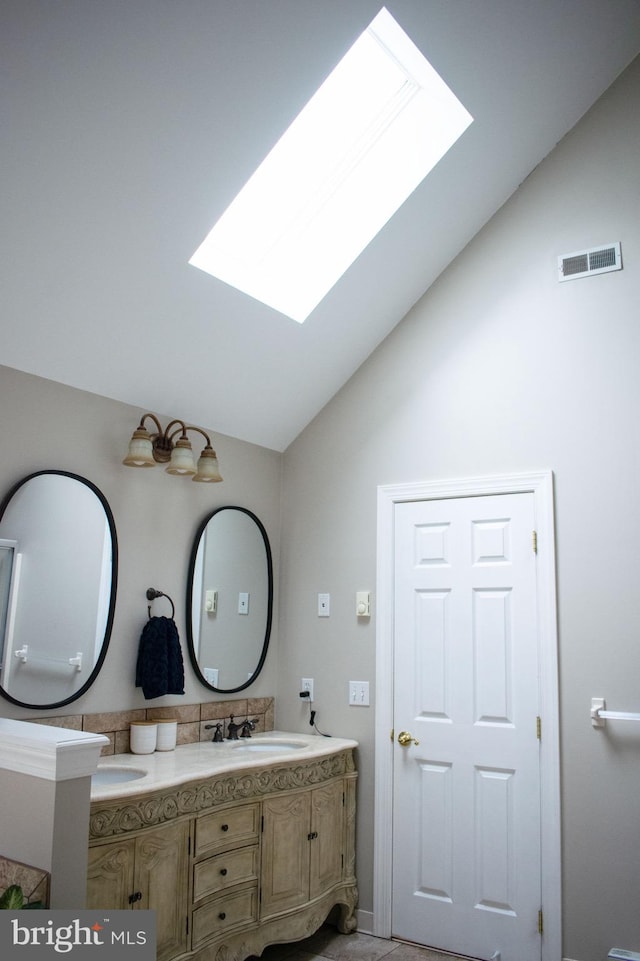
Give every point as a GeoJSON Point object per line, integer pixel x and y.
{"type": "Point", "coordinates": [129, 125]}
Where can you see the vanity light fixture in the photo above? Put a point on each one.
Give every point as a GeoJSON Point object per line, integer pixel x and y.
{"type": "Point", "coordinates": [161, 447]}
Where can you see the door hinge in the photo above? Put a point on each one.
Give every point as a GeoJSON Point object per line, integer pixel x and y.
{"type": "Point", "coordinates": [539, 728]}
{"type": "Point", "coordinates": [540, 922]}
{"type": "Point", "coordinates": [534, 540]}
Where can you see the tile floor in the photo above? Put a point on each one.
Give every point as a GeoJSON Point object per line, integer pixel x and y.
{"type": "Point", "coordinates": [328, 945]}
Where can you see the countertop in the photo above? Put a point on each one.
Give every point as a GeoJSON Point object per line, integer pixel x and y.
{"type": "Point", "coordinates": [189, 762]}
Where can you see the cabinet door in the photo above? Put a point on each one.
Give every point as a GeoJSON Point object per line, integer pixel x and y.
{"type": "Point", "coordinates": [161, 873]}
{"type": "Point", "coordinates": [285, 853]}
{"type": "Point", "coordinates": [327, 827]}
{"type": "Point", "coordinates": [110, 875]}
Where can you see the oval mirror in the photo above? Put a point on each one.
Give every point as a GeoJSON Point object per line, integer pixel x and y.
{"type": "Point", "coordinates": [230, 599]}
{"type": "Point", "coordinates": [58, 576]}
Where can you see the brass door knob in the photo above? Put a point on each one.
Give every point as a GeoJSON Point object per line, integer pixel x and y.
{"type": "Point", "coordinates": [405, 739]}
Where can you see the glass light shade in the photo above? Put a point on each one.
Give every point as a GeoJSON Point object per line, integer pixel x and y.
{"type": "Point", "coordinates": [208, 470]}
{"type": "Point", "coordinates": [140, 453]}
{"type": "Point", "coordinates": [181, 458]}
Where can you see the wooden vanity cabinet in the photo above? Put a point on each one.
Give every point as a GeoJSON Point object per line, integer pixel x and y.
{"type": "Point", "coordinates": [140, 873]}
{"type": "Point", "coordinates": [302, 847]}
{"type": "Point", "coordinates": [234, 863]}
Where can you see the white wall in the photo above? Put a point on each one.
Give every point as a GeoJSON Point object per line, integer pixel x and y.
{"type": "Point", "coordinates": [47, 425]}
{"type": "Point", "coordinates": [500, 368]}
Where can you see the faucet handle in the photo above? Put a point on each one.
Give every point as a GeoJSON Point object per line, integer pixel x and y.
{"type": "Point", "coordinates": [217, 734]}
{"type": "Point", "coordinates": [248, 726]}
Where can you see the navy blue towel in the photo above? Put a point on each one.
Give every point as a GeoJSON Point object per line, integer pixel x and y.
{"type": "Point", "coordinates": [159, 669]}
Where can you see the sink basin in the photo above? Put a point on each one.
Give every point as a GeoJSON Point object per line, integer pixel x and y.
{"type": "Point", "coordinates": [116, 775]}
{"type": "Point", "coordinates": [268, 744]}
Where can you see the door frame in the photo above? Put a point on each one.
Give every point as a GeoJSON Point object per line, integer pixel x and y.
{"type": "Point", "coordinates": [540, 484]}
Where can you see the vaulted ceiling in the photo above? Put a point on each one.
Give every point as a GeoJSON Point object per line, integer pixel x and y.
{"type": "Point", "coordinates": [128, 126]}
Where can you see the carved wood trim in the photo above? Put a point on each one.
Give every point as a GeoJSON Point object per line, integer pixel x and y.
{"type": "Point", "coordinates": [120, 816]}
{"type": "Point", "coordinates": [292, 926]}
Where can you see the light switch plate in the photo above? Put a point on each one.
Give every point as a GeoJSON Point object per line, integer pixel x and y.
{"type": "Point", "coordinates": [211, 601]}
{"type": "Point", "coordinates": [363, 603]}
{"type": "Point", "coordinates": [359, 693]}
{"type": "Point", "coordinates": [324, 605]}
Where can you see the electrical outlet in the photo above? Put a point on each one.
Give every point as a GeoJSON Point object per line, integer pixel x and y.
{"type": "Point", "coordinates": [306, 684]}
{"type": "Point", "coordinates": [359, 693]}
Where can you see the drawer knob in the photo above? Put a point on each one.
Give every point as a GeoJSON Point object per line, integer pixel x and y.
{"type": "Point", "coordinates": [222, 915]}
{"type": "Point", "coordinates": [223, 871]}
{"type": "Point", "coordinates": [224, 827]}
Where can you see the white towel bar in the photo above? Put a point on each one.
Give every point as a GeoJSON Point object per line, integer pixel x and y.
{"type": "Point", "coordinates": [24, 656]}
{"type": "Point", "coordinates": [599, 715]}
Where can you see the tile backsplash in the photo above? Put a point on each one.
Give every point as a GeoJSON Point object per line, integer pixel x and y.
{"type": "Point", "coordinates": [191, 720]}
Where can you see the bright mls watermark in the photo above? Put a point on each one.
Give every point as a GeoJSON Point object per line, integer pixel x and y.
{"type": "Point", "coordinates": [79, 935]}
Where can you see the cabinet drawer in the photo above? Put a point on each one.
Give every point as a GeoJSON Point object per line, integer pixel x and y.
{"type": "Point", "coordinates": [227, 828]}
{"type": "Point", "coordinates": [223, 870]}
{"type": "Point", "coordinates": [216, 917]}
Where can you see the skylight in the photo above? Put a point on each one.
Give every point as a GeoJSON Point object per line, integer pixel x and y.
{"type": "Point", "coordinates": [375, 128]}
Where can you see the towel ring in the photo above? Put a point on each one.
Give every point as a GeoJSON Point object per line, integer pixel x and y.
{"type": "Point", "coordinates": [152, 594]}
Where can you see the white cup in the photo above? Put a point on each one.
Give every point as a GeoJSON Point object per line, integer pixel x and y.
{"type": "Point", "coordinates": [167, 734]}
{"type": "Point", "coordinates": [143, 736]}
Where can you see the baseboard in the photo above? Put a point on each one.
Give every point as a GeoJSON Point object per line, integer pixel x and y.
{"type": "Point", "coordinates": [365, 922]}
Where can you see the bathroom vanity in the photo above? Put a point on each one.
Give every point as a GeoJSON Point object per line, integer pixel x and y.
{"type": "Point", "coordinates": [235, 845]}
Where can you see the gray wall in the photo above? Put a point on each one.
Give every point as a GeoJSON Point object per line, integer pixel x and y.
{"type": "Point", "coordinates": [499, 369]}
{"type": "Point", "coordinates": [156, 517]}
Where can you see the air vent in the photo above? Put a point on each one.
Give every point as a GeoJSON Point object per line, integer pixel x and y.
{"type": "Point", "coordinates": [584, 263]}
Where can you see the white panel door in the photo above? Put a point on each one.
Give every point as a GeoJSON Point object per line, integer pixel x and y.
{"type": "Point", "coordinates": [466, 791]}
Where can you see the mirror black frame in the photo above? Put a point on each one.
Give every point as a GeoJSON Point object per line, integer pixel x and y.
{"type": "Point", "coordinates": [190, 576]}
{"type": "Point", "coordinates": [114, 583]}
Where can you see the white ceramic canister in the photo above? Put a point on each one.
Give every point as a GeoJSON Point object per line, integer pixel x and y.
{"type": "Point", "coordinates": [167, 734]}
{"type": "Point", "coordinates": [143, 736]}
